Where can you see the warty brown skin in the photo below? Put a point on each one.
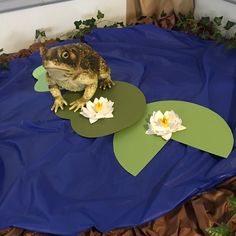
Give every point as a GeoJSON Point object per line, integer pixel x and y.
{"type": "Point", "coordinates": [74, 67]}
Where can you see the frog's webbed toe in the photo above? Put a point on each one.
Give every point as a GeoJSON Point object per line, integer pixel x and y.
{"type": "Point", "coordinates": [77, 104]}
{"type": "Point", "coordinates": [106, 84]}
{"type": "Point", "coordinates": [58, 103]}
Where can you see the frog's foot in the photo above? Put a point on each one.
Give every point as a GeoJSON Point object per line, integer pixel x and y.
{"type": "Point", "coordinates": [59, 102]}
{"type": "Point", "coordinates": [106, 83]}
{"type": "Point", "coordinates": [77, 104]}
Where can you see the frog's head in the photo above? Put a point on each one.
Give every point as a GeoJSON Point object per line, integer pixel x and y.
{"type": "Point", "coordinates": [60, 59]}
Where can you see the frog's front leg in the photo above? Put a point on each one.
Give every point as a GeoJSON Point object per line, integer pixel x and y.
{"type": "Point", "coordinates": [59, 100]}
{"type": "Point", "coordinates": [105, 79]}
{"type": "Point", "coordinates": [88, 93]}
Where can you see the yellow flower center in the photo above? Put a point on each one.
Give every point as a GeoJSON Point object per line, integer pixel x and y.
{"type": "Point", "coordinates": [164, 121]}
{"type": "Point", "coordinates": [98, 106]}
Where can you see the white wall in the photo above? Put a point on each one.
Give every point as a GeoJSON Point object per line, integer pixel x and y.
{"type": "Point", "coordinates": [214, 8]}
{"type": "Point", "coordinates": [17, 28]}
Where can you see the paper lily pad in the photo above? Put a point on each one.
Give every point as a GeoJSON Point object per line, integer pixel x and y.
{"type": "Point", "coordinates": [129, 107]}
{"type": "Point", "coordinates": [206, 131]}
{"type": "Point", "coordinates": [40, 74]}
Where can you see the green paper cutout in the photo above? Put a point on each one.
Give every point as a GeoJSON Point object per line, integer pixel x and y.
{"type": "Point", "coordinates": [206, 131]}
{"type": "Point", "coordinates": [40, 74]}
{"type": "Point", "coordinates": [129, 107]}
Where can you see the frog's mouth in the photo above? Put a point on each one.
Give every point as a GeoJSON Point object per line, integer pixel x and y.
{"type": "Point", "coordinates": [58, 74]}
{"type": "Point", "coordinates": [54, 68]}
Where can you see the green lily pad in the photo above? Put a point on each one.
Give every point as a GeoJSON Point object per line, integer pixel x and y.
{"type": "Point", "coordinates": [206, 131]}
{"type": "Point", "coordinates": [129, 107]}
{"type": "Point", "coordinates": [40, 74]}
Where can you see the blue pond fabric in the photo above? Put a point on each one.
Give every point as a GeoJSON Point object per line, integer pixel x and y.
{"type": "Point", "coordinates": [53, 180]}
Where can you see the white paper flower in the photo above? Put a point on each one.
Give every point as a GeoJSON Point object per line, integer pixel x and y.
{"type": "Point", "coordinates": [164, 124]}
{"type": "Point", "coordinates": [100, 108]}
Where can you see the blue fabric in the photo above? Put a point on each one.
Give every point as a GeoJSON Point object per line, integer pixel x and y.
{"type": "Point", "coordinates": [53, 180]}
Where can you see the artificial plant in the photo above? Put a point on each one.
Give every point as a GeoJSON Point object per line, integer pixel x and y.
{"type": "Point", "coordinates": [224, 229]}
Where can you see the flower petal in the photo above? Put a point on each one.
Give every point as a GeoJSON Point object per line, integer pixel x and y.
{"type": "Point", "coordinates": [182, 128]}
{"type": "Point", "coordinates": [95, 100]}
{"type": "Point", "coordinates": [92, 120]}
{"type": "Point", "coordinates": [85, 112]}
{"type": "Point", "coordinates": [90, 106]}
{"type": "Point", "coordinates": [109, 115]}
{"type": "Point", "coordinates": [90, 112]}
{"type": "Point", "coordinates": [149, 132]}
{"type": "Point", "coordinates": [172, 124]}
{"type": "Point", "coordinates": [158, 115]}
{"type": "Point", "coordinates": [167, 136]}
{"type": "Point", "coordinates": [106, 110]}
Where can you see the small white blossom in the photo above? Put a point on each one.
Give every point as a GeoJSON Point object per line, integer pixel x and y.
{"type": "Point", "coordinates": [100, 108]}
{"type": "Point", "coordinates": [164, 124]}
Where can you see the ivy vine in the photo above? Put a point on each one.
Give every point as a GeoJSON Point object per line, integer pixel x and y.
{"type": "Point", "coordinates": [4, 65]}
{"type": "Point", "coordinates": [207, 29]}
{"type": "Point", "coordinates": [224, 229]}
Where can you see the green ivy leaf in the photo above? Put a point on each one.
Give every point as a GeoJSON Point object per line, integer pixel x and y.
{"type": "Point", "coordinates": [205, 20]}
{"type": "Point", "coordinates": [78, 24]}
{"type": "Point", "coordinates": [4, 65]}
{"type": "Point", "coordinates": [205, 35]}
{"type": "Point", "coordinates": [230, 45]}
{"type": "Point", "coordinates": [194, 29]}
{"type": "Point", "coordinates": [121, 24]}
{"type": "Point", "coordinates": [141, 18]}
{"type": "Point", "coordinates": [190, 15]}
{"type": "Point", "coordinates": [82, 31]}
{"type": "Point", "coordinates": [115, 25]}
{"type": "Point", "coordinates": [86, 30]}
{"type": "Point", "coordinates": [218, 20]}
{"type": "Point", "coordinates": [89, 22]}
{"type": "Point", "coordinates": [182, 17]}
{"type": "Point", "coordinates": [43, 34]}
{"type": "Point", "coordinates": [76, 36]}
{"type": "Point", "coordinates": [229, 25]}
{"type": "Point", "coordinates": [60, 40]}
{"type": "Point", "coordinates": [221, 230]}
{"type": "Point", "coordinates": [37, 34]}
{"type": "Point", "coordinates": [217, 37]}
{"type": "Point", "coordinates": [163, 14]}
{"type": "Point", "coordinates": [232, 201]}
{"type": "Point", "coordinates": [100, 15]}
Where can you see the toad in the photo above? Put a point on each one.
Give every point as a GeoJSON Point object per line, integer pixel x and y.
{"type": "Point", "coordinates": [74, 67]}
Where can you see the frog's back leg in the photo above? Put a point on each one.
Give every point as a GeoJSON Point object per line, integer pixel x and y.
{"type": "Point", "coordinates": [105, 75]}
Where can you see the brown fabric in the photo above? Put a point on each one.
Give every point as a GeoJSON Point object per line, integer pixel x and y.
{"type": "Point", "coordinates": [25, 52]}
{"type": "Point", "coordinates": [166, 22]}
{"type": "Point", "coordinates": [13, 231]}
{"type": "Point", "coordinates": [150, 8]}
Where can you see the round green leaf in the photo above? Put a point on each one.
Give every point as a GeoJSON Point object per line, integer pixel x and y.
{"type": "Point", "coordinates": [206, 131]}
{"type": "Point", "coordinates": [40, 74]}
{"type": "Point", "coordinates": [129, 107]}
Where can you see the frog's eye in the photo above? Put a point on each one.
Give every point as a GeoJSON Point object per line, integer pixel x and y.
{"type": "Point", "coordinates": [65, 55]}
